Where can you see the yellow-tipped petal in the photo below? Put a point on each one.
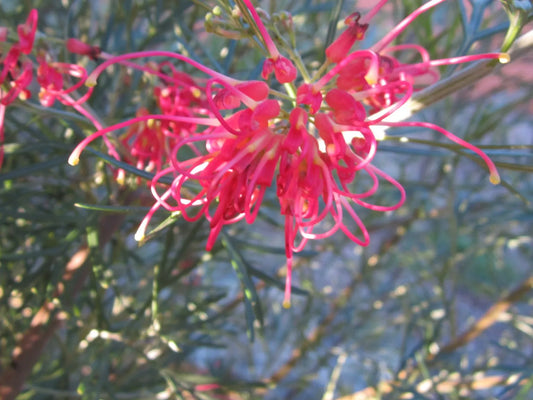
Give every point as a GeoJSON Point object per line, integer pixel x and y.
{"type": "Point", "coordinates": [90, 82]}
{"type": "Point", "coordinates": [371, 76]}
{"type": "Point", "coordinates": [121, 179]}
{"type": "Point", "coordinates": [197, 93]}
{"type": "Point", "coordinates": [286, 304]}
{"type": "Point", "coordinates": [139, 236]}
{"type": "Point", "coordinates": [73, 160]}
{"type": "Point", "coordinates": [504, 58]}
{"type": "Point", "coordinates": [495, 179]}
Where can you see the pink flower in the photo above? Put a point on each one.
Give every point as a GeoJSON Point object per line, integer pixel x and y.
{"type": "Point", "coordinates": [53, 76]}
{"type": "Point", "coordinates": [51, 81]}
{"type": "Point", "coordinates": [283, 69]}
{"type": "Point", "coordinates": [146, 144]}
{"type": "Point", "coordinates": [16, 71]}
{"type": "Point", "coordinates": [26, 32]}
{"type": "Point", "coordinates": [342, 45]}
{"type": "Point", "coordinates": [3, 33]}
{"type": "Point", "coordinates": [232, 177]}
{"type": "Point", "coordinates": [78, 47]}
{"type": "Point", "coordinates": [312, 143]}
{"type": "Point", "coordinates": [307, 94]}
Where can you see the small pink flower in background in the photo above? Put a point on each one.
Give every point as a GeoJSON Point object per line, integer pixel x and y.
{"type": "Point", "coordinates": [76, 46]}
{"type": "Point", "coordinates": [3, 33]}
{"type": "Point", "coordinates": [27, 31]}
{"type": "Point", "coordinates": [51, 82]}
{"type": "Point", "coordinates": [16, 72]}
{"type": "Point", "coordinates": [149, 143]}
{"type": "Point", "coordinates": [145, 144]}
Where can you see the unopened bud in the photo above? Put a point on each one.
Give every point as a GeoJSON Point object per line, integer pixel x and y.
{"type": "Point", "coordinates": [78, 47]}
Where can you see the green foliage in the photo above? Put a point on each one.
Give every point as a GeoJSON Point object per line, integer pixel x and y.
{"type": "Point", "coordinates": [166, 319]}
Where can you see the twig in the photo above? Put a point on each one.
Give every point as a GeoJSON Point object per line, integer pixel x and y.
{"type": "Point", "coordinates": [325, 325]}
{"type": "Point", "coordinates": [450, 384]}
{"type": "Point", "coordinates": [487, 320]}
{"type": "Point", "coordinates": [473, 383]}
{"type": "Point", "coordinates": [43, 325]}
{"type": "Point", "coordinates": [51, 315]}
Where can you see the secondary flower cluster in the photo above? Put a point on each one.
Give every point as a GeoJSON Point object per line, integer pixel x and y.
{"type": "Point", "coordinates": [17, 71]}
{"type": "Point", "coordinates": [217, 144]}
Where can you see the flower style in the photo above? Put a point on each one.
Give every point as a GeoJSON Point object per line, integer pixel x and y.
{"type": "Point", "coordinates": [312, 143]}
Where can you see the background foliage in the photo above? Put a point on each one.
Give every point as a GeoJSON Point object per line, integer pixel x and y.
{"type": "Point", "coordinates": [437, 307]}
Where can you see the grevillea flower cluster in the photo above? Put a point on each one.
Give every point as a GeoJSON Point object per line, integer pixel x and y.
{"type": "Point", "coordinates": [16, 69]}
{"type": "Point", "coordinates": [217, 144]}
{"type": "Point", "coordinates": [56, 80]}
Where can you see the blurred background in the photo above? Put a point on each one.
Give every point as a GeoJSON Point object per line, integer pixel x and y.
{"type": "Point", "coordinates": [437, 307]}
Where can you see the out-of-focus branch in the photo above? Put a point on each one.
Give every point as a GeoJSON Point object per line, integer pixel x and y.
{"type": "Point", "coordinates": [325, 325]}
{"type": "Point", "coordinates": [453, 382]}
{"type": "Point", "coordinates": [51, 315]}
{"type": "Point", "coordinates": [450, 384]}
{"type": "Point", "coordinates": [43, 325]}
{"type": "Point", "coordinates": [487, 320]}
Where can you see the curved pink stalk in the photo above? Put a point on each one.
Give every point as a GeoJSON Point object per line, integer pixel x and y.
{"type": "Point", "coordinates": [67, 100]}
{"type": "Point", "coordinates": [424, 54]}
{"type": "Point", "coordinates": [391, 180]}
{"type": "Point", "coordinates": [348, 194]}
{"type": "Point", "coordinates": [402, 25]}
{"type": "Point", "coordinates": [372, 149]}
{"type": "Point", "coordinates": [2, 118]}
{"type": "Point", "coordinates": [141, 230]}
{"type": "Point", "coordinates": [79, 108]}
{"type": "Point", "coordinates": [502, 57]}
{"type": "Point", "coordinates": [93, 76]}
{"type": "Point", "coordinates": [178, 166]}
{"type": "Point", "coordinates": [369, 15]}
{"type": "Point", "coordinates": [75, 155]}
{"type": "Point", "coordinates": [289, 241]}
{"type": "Point", "coordinates": [366, 237]}
{"type": "Point", "coordinates": [269, 43]}
{"type": "Point", "coordinates": [494, 176]}
{"type": "Point", "coordinates": [394, 107]}
{"type": "Point", "coordinates": [372, 69]}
